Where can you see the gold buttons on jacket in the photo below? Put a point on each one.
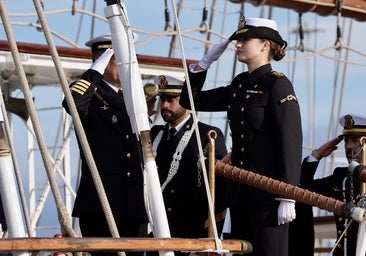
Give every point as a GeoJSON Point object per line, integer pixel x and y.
{"type": "Point", "coordinates": [127, 137]}
{"type": "Point", "coordinates": [172, 191]}
{"type": "Point", "coordinates": [128, 174]}
{"type": "Point", "coordinates": [247, 96]}
{"type": "Point", "coordinates": [128, 155]}
{"type": "Point", "coordinates": [234, 95]}
{"type": "Point", "coordinates": [169, 209]}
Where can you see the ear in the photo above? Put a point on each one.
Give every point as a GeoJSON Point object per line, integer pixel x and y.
{"type": "Point", "coordinates": [266, 44]}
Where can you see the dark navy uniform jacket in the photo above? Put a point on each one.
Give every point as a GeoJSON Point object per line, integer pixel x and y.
{"type": "Point", "coordinates": [333, 186]}
{"type": "Point", "coordinates": [114, 148]}
{"type": "Point", "coordinates": [264, 117]}
{"type": "Point", "coordinates": [185, 195]}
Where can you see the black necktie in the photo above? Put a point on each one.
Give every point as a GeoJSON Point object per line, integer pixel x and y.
{"type": "Point", "coordinates": [172, 132]}
{"type": "Point", "coordinates": [120, 92]}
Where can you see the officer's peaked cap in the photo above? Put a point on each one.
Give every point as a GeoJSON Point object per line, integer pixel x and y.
{"type": "Point", "coordinates": [353, 125]}
{"type": "Point", "coordinates": [100, 43]}
{"type": "Point", "coordinates": [168, 85]}
{"type": "Point", "coordinates": [103, 42]}
{"type": "Point", "coordinates": [258, 28]}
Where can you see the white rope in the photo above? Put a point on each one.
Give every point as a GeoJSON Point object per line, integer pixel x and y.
{"type": "Point", "coordinates": [78, 126]}
{"type": "Point", "coordinates": [195, 121]}
{"type": "Point", "coordinates": [62, 211]}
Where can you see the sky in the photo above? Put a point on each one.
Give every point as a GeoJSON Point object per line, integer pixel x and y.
{"type": "Point", "coordinates": [324, 86]}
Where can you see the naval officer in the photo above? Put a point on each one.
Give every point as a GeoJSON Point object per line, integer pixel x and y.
{"type": "Point", "coordinates": [101, 107]}
{"type": "Point", "coordinates": [264, 117]}
{"type": "Point", "coordinates": [179, 168]}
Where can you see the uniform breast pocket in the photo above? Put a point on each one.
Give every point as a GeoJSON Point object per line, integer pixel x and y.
{"type": "Point", "coordinates": [256, 111]}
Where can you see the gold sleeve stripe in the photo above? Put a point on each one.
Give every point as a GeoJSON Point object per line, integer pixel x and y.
{"type": "Point", "coordinates": [83, 83]}
{"type": "Point", "coordinates": [79, 87]}
{"type": "Point", "coordinates": [219, 217]}
{"type": "Point", "coordinates": [73, 89]}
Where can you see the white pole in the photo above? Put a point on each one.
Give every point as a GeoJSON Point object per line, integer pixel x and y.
{"type": "Point", "coordinates": [9, 193]}
{"type": "Point", "coordinates": [128, 71]}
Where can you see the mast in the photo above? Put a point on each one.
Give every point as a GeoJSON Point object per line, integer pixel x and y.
{"type": "Point", "coordinates": [355, 9]}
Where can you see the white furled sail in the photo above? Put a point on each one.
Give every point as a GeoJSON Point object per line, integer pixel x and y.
{"type": "Point", "coordinates": [128, 70]}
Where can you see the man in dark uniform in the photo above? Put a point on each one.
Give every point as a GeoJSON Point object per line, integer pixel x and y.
{"type": "Point", "coordinates": [264, 118]}
{"type": "Point", "coordinates": [180, 174]}
{"type": "Point", "coordinates": [101, 107]}
{"type": "Point", "coordinates": [342, 184]}
{"type": "Point", "coordinates": [302, 234]}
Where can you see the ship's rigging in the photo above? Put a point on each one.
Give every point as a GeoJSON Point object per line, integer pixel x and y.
{"type": "Point", "coordinates": [325, 63]}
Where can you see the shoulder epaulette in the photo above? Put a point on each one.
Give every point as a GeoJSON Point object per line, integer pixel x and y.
{"type": "Point", "coordinates": [80, 86]}
{"type": "Point", "coordinates": [275, 73]}
{"type": "Point", "coordinates": [289, 97]}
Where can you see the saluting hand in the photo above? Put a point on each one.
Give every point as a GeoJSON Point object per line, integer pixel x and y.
{"type": "Point", "coordinates": [102, 61]}
{"type": "Point", "coordinates": [327, 148]}
{"type": "Point", "coordinates": [213, 54]}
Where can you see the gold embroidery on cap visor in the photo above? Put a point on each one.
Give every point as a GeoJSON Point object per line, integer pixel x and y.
{"type": "Point", "coordinates": [354, 131]}
{"type": "Point", "coordinates": [170, 91]}
{"type": "Point", "coordinates": [241, 31]}
{"type": "Point", "coordinates": [104, 46]}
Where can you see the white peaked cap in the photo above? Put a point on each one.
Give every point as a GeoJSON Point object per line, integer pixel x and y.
{"type": "Point", "coordinates": [169, 85]}
{"type": "Point", "coordinates": [260, 22]}
{"type": "Point", "coordinates": [353, 124]}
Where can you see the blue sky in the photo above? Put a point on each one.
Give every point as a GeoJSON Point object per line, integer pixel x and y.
{"type": "Point", "coordinates": [316, 79]}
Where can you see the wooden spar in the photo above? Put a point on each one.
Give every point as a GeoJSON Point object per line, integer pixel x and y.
{"type": "Point", "coordinates": [40, 70]}
{"type": "Point", "coordinates": [84, 53]}
{"type": "Point", "coordinates": [212, 135]}
{"type": "Point", "coordinates": [355, 9]}
{"type": "Point", "coordinates": [120, 244]}
{"type": "Point", "coordinates": [279, 188]}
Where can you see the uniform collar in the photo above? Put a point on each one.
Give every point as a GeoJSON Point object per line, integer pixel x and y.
{"type": "Point", "coordinates": [262, 70]}
{"type": "Point", "coordinates": [112, 86]}
{"type": "Point", "coordinates": [181, 124]}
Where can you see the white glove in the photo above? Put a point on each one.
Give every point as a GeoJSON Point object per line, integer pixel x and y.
{"type": "Point", "coordinates": [102, 61]}
{"type": "Point", "coordinates": [213, 54]}
{"type": "Point", "coordinates": [286, 210]}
